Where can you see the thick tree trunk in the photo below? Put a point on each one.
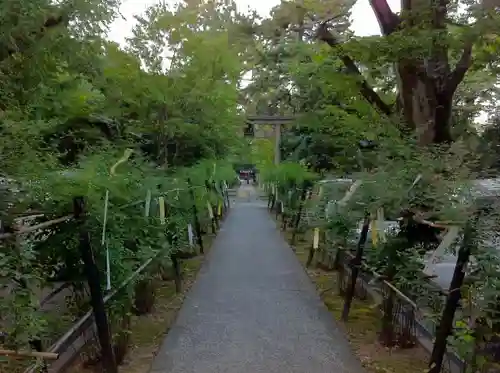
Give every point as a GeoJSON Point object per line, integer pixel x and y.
{"type": "Point", "coordinates": [426, 87]}
{"type": "Point", "coordinates": [427, 110]}
{"type": "Point", "coordinates": [425, 107]}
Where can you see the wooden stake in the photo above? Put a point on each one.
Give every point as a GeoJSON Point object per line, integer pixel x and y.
{"type": "Point", "coordinates": [40, 355]}
{"type": "Point", "coordinates": [96, 297]}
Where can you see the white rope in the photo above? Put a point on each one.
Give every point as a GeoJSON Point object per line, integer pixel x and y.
{"type": "Point", "coordinates": [104, 243]}
{"type": "Point", "coordinates": [124, 158]}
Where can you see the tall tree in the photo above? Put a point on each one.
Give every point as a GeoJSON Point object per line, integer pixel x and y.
{"type": "Point", "coordinates": [428, 48]}
{"type": "Point", "coordinates": [425, 49]}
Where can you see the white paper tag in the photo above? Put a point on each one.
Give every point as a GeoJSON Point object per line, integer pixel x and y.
{"type": "Point", "coordinates": [190, 234]}
{"type": "Point", "coordinates": [316, 238]}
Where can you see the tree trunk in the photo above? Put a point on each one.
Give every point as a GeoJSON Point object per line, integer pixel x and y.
{"type": "Point", "coordinates": [425, 107]}
{"type": "Point", "coordinates": [426, 86]}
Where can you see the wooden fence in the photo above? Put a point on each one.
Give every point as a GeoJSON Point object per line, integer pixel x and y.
{"type": "Point", "coordinates": [404, 323]}
{"type": "Point", "coordinates": [93, 336]}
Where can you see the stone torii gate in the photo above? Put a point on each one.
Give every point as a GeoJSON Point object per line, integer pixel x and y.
{"type": "Point", "coordinates": [276, 122]}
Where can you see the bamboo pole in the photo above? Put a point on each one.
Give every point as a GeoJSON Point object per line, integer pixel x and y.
{"type": "Point", "coordinates": [40, 226]}
{"type": "Point", "coordinates": [40, 355]}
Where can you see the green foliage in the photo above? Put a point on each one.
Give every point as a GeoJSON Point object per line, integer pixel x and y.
{"type": "Point", "coordinates": [287, 175]}
{"type": "Point", "coordinates": [444, 192]}
{"type": "Point", "coordinates": [72, 102]}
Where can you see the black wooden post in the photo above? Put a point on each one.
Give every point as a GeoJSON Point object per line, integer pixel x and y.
{"type": "Point", "coordinates": [214, 225]}
{"type": "Point", "coordinates": [284, 215]}
{"type": "Point", "coordinates": [216, 212]}
{"type": "Point", "coordinates": [355, 264]}
{"type": "Point", "coordinates": [227, 198]}
{"type": "Point", "coordinates": [36, 344]}
{"type": "Point", "coordinates": [303, 195]}
{"type": "Point", "coordinates": [177, 272]}
{"type": "Point", "coordinates": [96, 297]}
{"type": "Point", "coordinates": [175, 255]}
{"type": "Point", "coordinates": [270, 202]}
{"type": "Point", "coordinates": [387, 330]}
{"type": "Point", "coordinates": [197, 225]}
{"type": "Point", "coordinates": [272, 196]}
{"type": "Point", "coordinates": [445, 327]}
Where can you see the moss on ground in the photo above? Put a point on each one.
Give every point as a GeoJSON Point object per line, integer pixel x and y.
{"type": "Point", "coordinates": [364, 322]}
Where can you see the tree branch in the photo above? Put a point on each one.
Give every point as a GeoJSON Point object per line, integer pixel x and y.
{"type": "Point", "coordinates": [366, 90]}
{"type": "Point", "coordinates": [463, 64]}
{"type": "Point", "coordinates": [387, 19]}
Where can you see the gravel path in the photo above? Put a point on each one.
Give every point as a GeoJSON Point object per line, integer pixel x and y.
{"type": "Point", "coordinates": [253, 309]}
